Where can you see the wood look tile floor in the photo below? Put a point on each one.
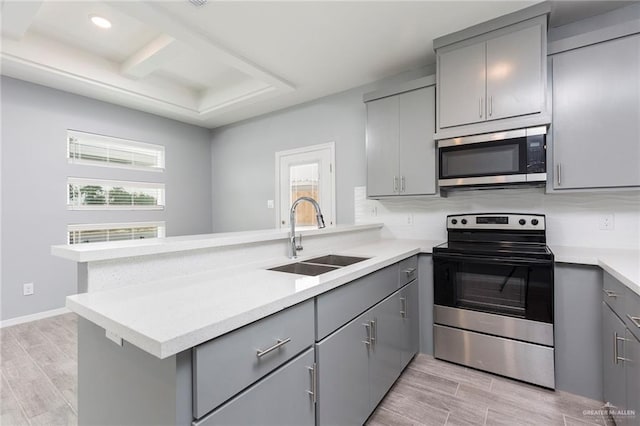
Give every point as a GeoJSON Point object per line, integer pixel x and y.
{"type": "Point", "coordinates": [38, 368]}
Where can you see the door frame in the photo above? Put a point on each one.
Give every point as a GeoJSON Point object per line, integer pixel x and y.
{"type": "Point", "coordinates": [331, 146]}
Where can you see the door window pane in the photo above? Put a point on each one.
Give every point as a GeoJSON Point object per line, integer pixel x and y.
{"type": "Point", "coordinates": [304, 182]}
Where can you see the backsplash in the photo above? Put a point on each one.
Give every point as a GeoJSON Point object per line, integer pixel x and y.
{"type": "Point", "coordinates": [572, 219]}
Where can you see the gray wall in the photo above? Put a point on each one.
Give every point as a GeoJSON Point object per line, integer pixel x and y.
{"type": "Point", "coordinates": [34, 173]}
{"type": "Point", "coordinates": [243, 155]}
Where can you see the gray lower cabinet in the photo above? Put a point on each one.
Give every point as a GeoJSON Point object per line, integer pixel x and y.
{"type": "Point", "coordinates": [613, 331]}
{"type": "Point", "coordinates": [285, 397]}
{"type": "Point", "coordinates": [358, 363]}
{"type": "Point", "coordinates": [410, 323]}
{"type": "Point", "coordinates": [621, 351]}
{"type": "Point", "coordinates": [596, 115]}
{"type": "Point", "coordinates": [343, 374]}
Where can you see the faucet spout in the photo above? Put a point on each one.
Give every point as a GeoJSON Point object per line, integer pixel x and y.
{"type": "Point", "coordinates": [293, 252]}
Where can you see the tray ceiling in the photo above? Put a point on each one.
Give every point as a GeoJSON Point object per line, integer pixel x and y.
{"type": "Point", "coordinates": [226, 60]}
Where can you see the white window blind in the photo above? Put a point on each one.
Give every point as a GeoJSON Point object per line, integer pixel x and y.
{"type": "Point", "coordinates": [88, 148]}
{"type": "Point", "coordinates": [93, 194]}
{"type": "Point", "coordinates": [94, 233]}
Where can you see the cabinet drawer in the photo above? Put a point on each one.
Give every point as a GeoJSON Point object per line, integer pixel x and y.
{"type": "Point", "coordinates": [341, 305]}
{"type": "Point", "coordinates": [407, 270]}
{"type": "Point", "coordinates": [614, 293]}
{"type": "Point", "coordinates": [282, 398]}
{"type": "Point", "coordinates": [228, 364]}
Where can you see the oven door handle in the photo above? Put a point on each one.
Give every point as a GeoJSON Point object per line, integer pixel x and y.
{"type": "Point", "coordinates": [514, 261]}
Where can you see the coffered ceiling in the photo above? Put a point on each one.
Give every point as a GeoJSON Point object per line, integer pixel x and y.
{"type": "Point", "coordinates": [225, 61]}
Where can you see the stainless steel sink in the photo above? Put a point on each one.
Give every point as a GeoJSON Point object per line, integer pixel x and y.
{"type": "Point", "coordinates": [304, 268]}
{"type": "Point", "coordinates": [336, 260]}
{"type": "Point", "coordinates": [319, 265]}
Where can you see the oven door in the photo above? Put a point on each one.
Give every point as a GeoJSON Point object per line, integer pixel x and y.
{"type": "Point", "coordinates": [520, 288]}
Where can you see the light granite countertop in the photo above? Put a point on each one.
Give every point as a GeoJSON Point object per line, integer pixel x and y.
{"type": "Point", "coordinates": [168, 316]}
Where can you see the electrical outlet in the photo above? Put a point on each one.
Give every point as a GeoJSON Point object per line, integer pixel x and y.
{"type": "Point", "coordinates": [607, 222]}
{"type": "Point", "coordinates": [27, 289]}
{"type": "Point", "coordinates": [269, 204]}
{"type": "Point", "coordinates": [373, 211]}
{"type": "Point", "coordinates": [409, 219]}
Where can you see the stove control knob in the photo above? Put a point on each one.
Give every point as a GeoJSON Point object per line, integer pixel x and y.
{"type": "Point", "coordinates": [534, 222]}
{"type": "Point", "coordinates": [522, 222]}
{"type": "Point", "coordinates": [464, 221]}
{"type": "Point", "coordinates": [454, 221]}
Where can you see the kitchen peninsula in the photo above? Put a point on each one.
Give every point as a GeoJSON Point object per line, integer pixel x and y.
{"type": "Point", "coordinates": [197, 329]}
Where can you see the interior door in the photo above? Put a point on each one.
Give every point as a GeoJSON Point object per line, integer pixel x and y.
{"type": "Point", "coordinates": [306, 174]}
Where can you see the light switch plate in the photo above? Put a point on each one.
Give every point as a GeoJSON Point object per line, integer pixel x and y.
{"type": "Point", "coordinates": [270, 204]}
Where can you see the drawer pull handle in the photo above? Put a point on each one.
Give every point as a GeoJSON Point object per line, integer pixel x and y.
{"type": "Point", "coordinates": [314, 383]}
{"type": "Point", "coordinates": [367, 341]}
{"type": "Point", "coordinates": [409, 271]}
{"type": "Point", "coordinates": [634, 320]}
{"type": "Point", "coordinates": [403, 307]}
{"type": "Point", "coordinates": [610, 293]}
{"type": "Point", "coordinates": [279, 344]}
{"type": "Point", "coordinates": [374, 332]}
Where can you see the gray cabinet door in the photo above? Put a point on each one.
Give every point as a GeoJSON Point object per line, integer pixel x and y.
{"type": "Point", "coordinates": [613, 331]}
{"type": "Point", "coordinates": [632, 365]}
{"type": "Point", "coordinates": [279, 399]}
{"type": "Point", "coordinates": [409, 322]}
{"type": "Point", "coordinates": [382, 147]}
{"type": "Point", "coordinates": [596, 115]}
{"type": "Point", "coordinates": [384, 362]}
{"type": "Point", "coordinates": [417, 147]}
{"type": "Point", "coordinates": [343, 375]}
{"type": "Point", "coordinates": [461, 85]}
{"type": "Point", "coordinates": [514, 74]}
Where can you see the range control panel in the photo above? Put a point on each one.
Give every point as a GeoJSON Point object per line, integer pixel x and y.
{"type": "Point", "coordinates": [506, 221]}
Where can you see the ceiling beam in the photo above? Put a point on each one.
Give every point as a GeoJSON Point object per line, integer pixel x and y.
{"type": "Point", "coordinates": [22, 14]}
{"type": "Point", "coordinates": [151, 57]}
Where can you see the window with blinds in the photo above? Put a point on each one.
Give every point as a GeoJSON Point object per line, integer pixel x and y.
{"type": "Point", "coordinates": [93, 194]}
{"type": "Point", "coordinates": [95, 233]}
{"type": "Point", "coordinates": [88, 148]}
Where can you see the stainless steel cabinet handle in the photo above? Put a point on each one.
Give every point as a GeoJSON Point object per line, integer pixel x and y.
{"type": "Point", "coordinates": [314, 383]}
{"type": "Point", "coordinates": [374, 332]}
{"type": "Point", "coordinates": [480, 106]}
{"type": "Point", "coordinates": [280, 343]}
{"type": "Point", "coordinates": [409, 271]}
{"type": "Point", "coordinates": [617, 339]}
{"type": "Point", "coordinates": [490, 106]}
{"type": "Point", "coordinates": [403, 307]}
{"type": "Point", "coordinates": [402, 184]}
{"type": "Point", "coordinates": [634, 320]}
{"type": "Point", "coordinates": [395, 184]}
{"type": "Point", "coordinates": [610, 293]}
{"type": "Point", "coordinates": [558, 172]}
{"type": "Point", "coordinates": [367, 341]}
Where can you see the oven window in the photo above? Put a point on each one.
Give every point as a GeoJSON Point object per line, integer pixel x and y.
{"type": "Point", "coordinates": [484, 159]}
{"type": "Point", "coordinates": [498, 289]}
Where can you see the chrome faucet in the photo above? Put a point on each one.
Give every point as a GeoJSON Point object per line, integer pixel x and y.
{"type": "Point", "coordinates": [292, 219]}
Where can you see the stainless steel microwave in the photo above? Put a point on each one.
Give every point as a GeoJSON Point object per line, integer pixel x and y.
{"type": "Point", "coordinates": [504, 158]}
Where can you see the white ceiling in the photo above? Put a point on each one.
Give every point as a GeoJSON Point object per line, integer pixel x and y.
{"type": "Point", "coordinates": [227, 60]}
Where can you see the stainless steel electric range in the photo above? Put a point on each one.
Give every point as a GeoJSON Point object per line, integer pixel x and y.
{"type": "Point", "coordinates": [493, 294]}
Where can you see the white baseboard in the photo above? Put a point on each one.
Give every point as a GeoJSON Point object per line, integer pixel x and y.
{"type": "Point", "coordinates": [27, 318]}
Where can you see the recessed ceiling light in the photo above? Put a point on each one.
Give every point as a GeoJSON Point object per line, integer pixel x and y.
{"type": "Point", "coordinates": [99, 21]}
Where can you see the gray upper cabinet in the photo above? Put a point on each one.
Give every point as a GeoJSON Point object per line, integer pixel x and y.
{"type": "Point", "coordinates": [462, 85]}
{"type": "Point", "coordinates": [492, 77]}
{"type": "Point", "coordinates": [400, 146]}
{"type": "Point", "coordinates": [382, 146]}
{"type": "Point", "coordinates": [596, 115]}
{"type": "Point", "coordinates": [514, 74]}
